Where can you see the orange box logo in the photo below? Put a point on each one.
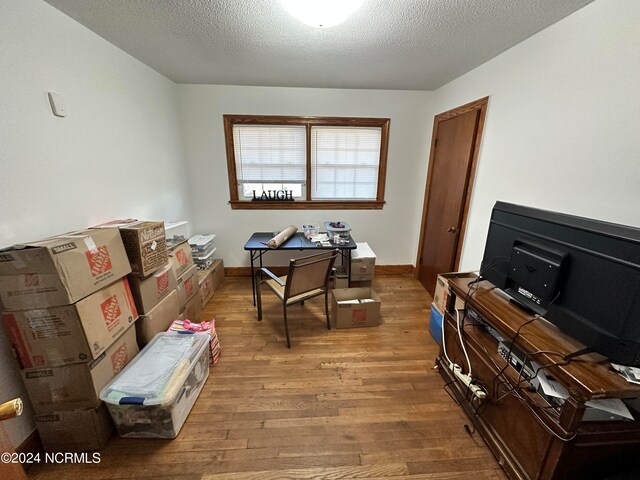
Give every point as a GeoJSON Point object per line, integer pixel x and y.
{"type": "Point", "coordinates": [163, 282]}
{"type": "Point", "coordinates": [358, 316]}
{"type": "Point", "coordinates": [111, 312]}
{"type": "Point", "coordinates": [99, 260]}
{"type": "Point", "coordinates": [120, 358]}
{"type": "Point", "coordinates": [182, 257]}
{"type": "Point", "coordinates": [31, 280]}
{"type": "Point", "coordinates": [188, 286]}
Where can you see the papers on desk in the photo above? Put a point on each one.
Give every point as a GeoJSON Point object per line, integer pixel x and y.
{"type": "Point", "coordinates": [554, 389]}
{"type": "Point", "coordinates": [630, 374]}
{"type": "Point", "coordinates": [321, 237]}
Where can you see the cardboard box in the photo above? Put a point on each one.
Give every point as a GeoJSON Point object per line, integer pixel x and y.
{"type": "Point", "coordinates": [61, 270]}
{"type": "Point", "coordinates": [340, 278]}
{"type": "Point", "coordinates": [192, 310]}
{"type": "Point", "coordinates": [149, 292]}
{"type": "Point", "coordinates": [144, 242]}
{"type": "Point", "coordinates": [435, 323]}
{"type": "Point", "coordinates": [187, 285]}
{"type": "Point", "coordinates": [76, 430]}
{"type": "Point", "coordinates": [77, 386]}
{"type": "Point", "coordinates": [158, 319]}
{"type": "Point", "coordinates": [210, 280]}
{"type": "Point", "coordinates": [355, 307]}
{"type": "Point", "coordinates": [363, 262]}
{"type": "Point", "coordinates": [71, 333]}
{"type": "Point", "coordinates": [442, 293]}
{"type": "Point", "coordinates": [180, 258]}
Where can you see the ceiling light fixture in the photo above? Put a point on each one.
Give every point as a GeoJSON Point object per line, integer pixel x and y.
{"type": "Point", "coordinates": [321, 13]}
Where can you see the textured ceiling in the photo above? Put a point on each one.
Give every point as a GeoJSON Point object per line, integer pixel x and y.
{"type": "Point", "coordinates": [386, 44]}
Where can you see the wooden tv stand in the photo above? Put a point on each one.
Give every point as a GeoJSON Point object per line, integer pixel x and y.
{"type": "Point", "coordinates": [530, 436]}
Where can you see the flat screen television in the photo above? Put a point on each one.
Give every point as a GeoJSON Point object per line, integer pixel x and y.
{"type": "Point", "coordinates": [582, 275]}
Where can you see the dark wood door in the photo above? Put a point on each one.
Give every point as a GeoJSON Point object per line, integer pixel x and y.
{"type": "Point", "coordinates": [451, 168]}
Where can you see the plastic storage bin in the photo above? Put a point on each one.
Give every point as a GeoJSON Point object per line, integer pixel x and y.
{"type": "Point", "coordinates": [153, 395]}
{"type": "Point", "coordinates": [176, 232]}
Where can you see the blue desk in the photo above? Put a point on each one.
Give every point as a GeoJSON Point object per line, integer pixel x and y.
{"type": "Point", "coordinates": [256, 246]}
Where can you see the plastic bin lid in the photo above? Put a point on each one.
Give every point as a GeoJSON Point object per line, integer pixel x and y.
{"type": "Point", "coordinates": [156, 375]}
{"type": "Point", "coordinates": [201, 241]}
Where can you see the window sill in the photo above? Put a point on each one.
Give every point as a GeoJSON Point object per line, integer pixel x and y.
{"type": "Point", "coordinates": [309, 205]}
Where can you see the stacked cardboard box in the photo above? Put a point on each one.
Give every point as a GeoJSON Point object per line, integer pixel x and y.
{"type": "Point", "coordinates": [186, 272]}
{"type": "Point", "coordinates": [153, 281]}
{"type": "Point", "coordinates": [69, 317]}
{"type": "Point", "coordinates": [210, 280]}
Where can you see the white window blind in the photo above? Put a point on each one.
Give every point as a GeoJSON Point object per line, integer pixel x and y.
{"type": "Point", "coordinates": [270, 154]}
{"type": "Point", "coordinates": [344, 162]}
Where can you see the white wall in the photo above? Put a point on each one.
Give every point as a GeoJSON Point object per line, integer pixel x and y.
{"type": "Point", "coordinates": [117, 154]}
{"type": "Point", "coordinates": [563, 121]}
{"type": "Point", "coordinates": [392, 232]}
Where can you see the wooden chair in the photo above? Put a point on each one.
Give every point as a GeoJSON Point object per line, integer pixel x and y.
{"type": "Point", "coordinates": [308, 277]}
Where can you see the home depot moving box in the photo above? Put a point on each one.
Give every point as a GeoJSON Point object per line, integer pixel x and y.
{"type": "Point", "coordinates": [71, 333]}
{"type": "Point", "coordinates": [442, 293]}
{"type": "Point", "coordinates": [77, 386]}
{"type": "Point", "coordinates": [149, 292]}
{"type": "Point", "coordinates": [210, 280]}
{"type": "Point", "coordinates": [158, 319]}
{"type": "Point", "coordinates": [355, 307]}
{"type": "Point", "coordinates": [192, 309]}
{"type": "Point", "coordinates": [144, 242]}
{"type": "Point", "coordinates": [180, 258]}
{"type": "Point", "coordinates": [61, 270]}
{"type": "Point", "coordinates": [187, 285]}
{"type": "Point", "coordinates": [75, 430]}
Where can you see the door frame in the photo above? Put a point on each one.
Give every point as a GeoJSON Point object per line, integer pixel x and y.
{"type": "Point", "coordinates": [481, 106]}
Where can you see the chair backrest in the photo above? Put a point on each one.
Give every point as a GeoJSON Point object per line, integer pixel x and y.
{"type": "Point", "coordinates": [309, 273]}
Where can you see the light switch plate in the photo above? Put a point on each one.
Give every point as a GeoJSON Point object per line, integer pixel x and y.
{"type": "Point", "coordinates": [57, 104]}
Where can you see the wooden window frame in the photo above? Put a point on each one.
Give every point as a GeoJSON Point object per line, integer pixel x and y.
{"type": "Point", "coordinates": [308, 122]}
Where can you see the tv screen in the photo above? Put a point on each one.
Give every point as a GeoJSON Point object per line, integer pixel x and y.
{"type": "Point", "coordinates": [582, 275]}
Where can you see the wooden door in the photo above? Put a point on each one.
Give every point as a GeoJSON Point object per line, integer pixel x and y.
{"type": "Point", "coordinates": [454, 151]}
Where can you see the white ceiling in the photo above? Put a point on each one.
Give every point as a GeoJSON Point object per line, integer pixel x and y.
{"type": "Point", "coordinates": [386, 44]}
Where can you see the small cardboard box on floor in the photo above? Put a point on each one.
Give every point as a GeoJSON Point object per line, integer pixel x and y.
{"type": "Point", "coordinates": [75, 430]}
{"type": "Point", "coordinates": [71, 333]}
{"type": "Point", "coordinates": [442, 293]}
{"type": "Point", "coordinates": [340, 277]}
{"type": "Point", "coordinates": [149, 292]}
{"type": "Point", "coordinates": [144, 242]}
{"type": "Point", "coordinates": [78, 386]}
{"type": "Point", "coordinates": [355, 307]}
{"type": "Point", "coordinates": [158, 319]}
{"type": "Point", "coordinates": [61, 270]}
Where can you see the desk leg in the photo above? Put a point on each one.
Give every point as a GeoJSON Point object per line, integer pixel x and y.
{"type": "Point", "coordinates": [348, 267]}
{"type": "Point", "coordinates": [253, 280]}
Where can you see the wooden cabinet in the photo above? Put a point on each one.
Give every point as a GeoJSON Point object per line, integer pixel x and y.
{"type": "Point", "coordinates": [531, 435]}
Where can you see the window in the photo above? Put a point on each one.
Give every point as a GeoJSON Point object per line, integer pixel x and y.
{"type": "Point", "coordinates": [320, 162]}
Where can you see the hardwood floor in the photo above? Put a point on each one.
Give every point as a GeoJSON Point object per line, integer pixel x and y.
{"type": "Point", "coordinates": [340, 404]}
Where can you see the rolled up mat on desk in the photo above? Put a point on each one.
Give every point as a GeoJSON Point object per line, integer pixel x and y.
{"type": "Point", "coordinates": [282, 237]}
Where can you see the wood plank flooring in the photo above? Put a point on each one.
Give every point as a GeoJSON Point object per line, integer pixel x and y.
{"type": "Point", "coordinates": [340, 404]}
